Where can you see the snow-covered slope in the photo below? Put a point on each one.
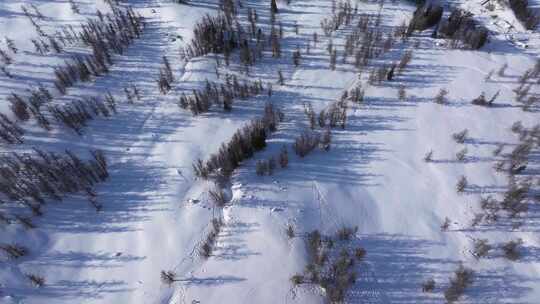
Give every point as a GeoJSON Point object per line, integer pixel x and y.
{"type": "Point", "coordinates": [156, 213]}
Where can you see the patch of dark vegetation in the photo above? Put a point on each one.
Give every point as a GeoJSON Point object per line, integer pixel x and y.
{"type": "Point", "coordinates": [208, 245]}
{"type": "Point", "coordinates": [463, 31]}
{"type": "Point", "coordinates": [524, 13]}
{"type": "Point", "coordinates": [463, 278]}
{"type": "Point", "coordinates": [108, 35]}
{"type": "Point", "coordinates": [244, 143]}
{"type": "Point", "coordinates": [331, 263]}
{"type": "Point", "coordinates": [30, 179]}
{"type": "Point", "coordinates": [222, 95]}
{"type": "Point", "coordinates": [78, 113]}
{"type": "Point", "coordinates": [14, 251]}
{"type": "Point", "coordinates": [424, 17]}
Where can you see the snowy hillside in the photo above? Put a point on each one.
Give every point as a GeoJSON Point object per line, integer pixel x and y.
{"type": "Point", "coordinates": [261, 151]}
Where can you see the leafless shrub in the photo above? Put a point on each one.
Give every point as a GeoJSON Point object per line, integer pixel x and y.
{"type": "Point", "coordinates": [26, 221]}
{"type": "Point", "coordinates": [166, 77]}
{"type": "Point", "coordinates": [511, 250]}
{"type": "Point", "coordinates": [306, 142]}
{"type": "Point", "coordinates": [460, 137]}
{"type": "Point", "coordinates": [463, 278]}
{"type": "Point", "coordinates": [498, 150]}
{"type": "Point", "coordinates": [11, 45]}
{"type": "Point", "coordinates": [218, 196]}
{"type": "Point", "coordinates": [244, 143]}
{"type": "Point", "coordinates": [428, 285]}
{"type": "Point", "coordinates": [429, 156]}
{"type": "Point", "coordinates": [402, 94]}
{"type": "Point", "coordinates": [283, 157]}
{"type": "Point", "coordinates": [168, 277]}
{"type": "Point", "coordinates": [424, 17]}
{"type": "Point", "coordinates": [489, 75]}
{"type": "Point", "coordinates": [36, 280]}
{"type": "Point", "coordinates": [326, 139]}
{"type": "Point", "coordinates": [290, 231]}
{"type": "Point", "coordinates": [110, 34]}
{"type": "Point", "coordinates": [481, 248]}
{"type": "Point", "coordinates": [460, 26]}
{"type": "Point", "coordinates": [346, 233]}
{"type": "Point", "coordinates": [76, 115]}
{"type": "Point", "coordinates": [330, 266]}
{"type": "Point", "coordinates": [19, 107]}
{"type": "Point", "coordinates": [6, 59]}
{"type": "Point", "coordinates": [222, 95]}
{"type": "Point", "coordinates": [482, 101]}
{"type": "Point", "coordinates": [502, 70]}
{"type": "Point", "coordinates": [446, 224]}
{"type": "Point", "coordinates": [477, 219]}
{"type": "Point", "coordinates": [74, 7]}
{"type": "Point", "coordinates": [10, 132]}
{"type": "Point", "coordinates": [6, 72]}
{"type": "Point", "coordinates": [14, 251]}
{"type": "Point", "coordinates": [462, 154]}
{"type": "Point", "coordinates": [360, 253]}
{"type": "Point", "coordinates": [405, 60]}
{"type": "Point", "coordinates": [441, 96]}
{"type": "Point", "coordinates": [208, 245]}
{"type": "Point", "coordinates": [461, 184]}
{"type": "Point", "coordinates": [524, 13]}
{"type": "Point", "coordinates": [29, 179]}
{"type": "Point", "coordinates": [215, 34]}
{"type": "Point", "coordinates": [514, 201]}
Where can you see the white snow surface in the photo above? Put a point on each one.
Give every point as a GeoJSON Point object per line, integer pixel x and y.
{"type": "Point", "coordinates": [156, 212]}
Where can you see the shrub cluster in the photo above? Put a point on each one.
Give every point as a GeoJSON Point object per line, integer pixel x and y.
{"type": "Point", "coordinates": [14, 251]}
{"type": "Point", "coordinates": [29, 179]}
{"type": "Point", "coordinates": [166, 77]}
{"type": "Point", "coordinates": [10, 132]}
{"type": "Point", "coordinates": [107, 35]}
{"type": "Point", "coordinates": [461, 27]}
{"type": "Point", "coordinates": [244, 143]}
{"type": "Point", "coordinates": [213, 34]}
{"type": "Point", "coordinates": [424, 17]}
{"type": "Point", "coordinates": [76, 114]}
{"type": "Point", "coordinates": [525, 14]}
{"type": "Point", "coordinates": [343, 16]}
{"type": "Point", "coordinates": [23, 108]}
{"type": "Point", "coordinates": [463, 278]}
{"type": "Point", "coordinates": [331, 264]}
{"type": "Point", "coordinates": [221, 95]}
{"type": "Point", "coordinates": [209, 242]}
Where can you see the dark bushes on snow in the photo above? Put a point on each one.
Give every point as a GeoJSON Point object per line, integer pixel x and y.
{"type": "Point", "coordinates": [76, 114]}
{"type": "Point", "coordinates": [110, 34]}
{"type": "Point", "coordinates": [168, 277]}
{"type": "Point", "coordinates": [213, 34]}
{"type": "Point", "coordinates": [208, 245]}
{"type": "Point", "coordinates": [525, 14]}
{"type": "Point", "coordinates": [425, 16]}
{"type": "Point", "coordinates": [460, 27]}
{"type": "Point", "coordinates": [221, 95]}
{"type": "Point", "coordinates": [511, 250]}
{"type": "Point", "coordinates": [331, 264]}
{"type": "Point", "coordinates": [14, 251]}
{"type": "Point", "coordinates": [306, 142]}
{"type": "Point", "coordinates": [244, 143]}
{"type": "Point", "coordinates": [29, 179]}
{"type": "Point", "coordinates": [463, 278]}
{"type": "Point", "coordinates": [36, 280]}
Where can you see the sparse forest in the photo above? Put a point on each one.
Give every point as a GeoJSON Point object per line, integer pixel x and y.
{"type": "Point", "coordinates": [269, 151]}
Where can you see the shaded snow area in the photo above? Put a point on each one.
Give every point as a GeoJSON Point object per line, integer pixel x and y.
{"type": "Point", "coordinates": [260, 151]}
